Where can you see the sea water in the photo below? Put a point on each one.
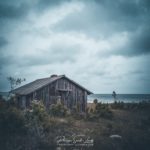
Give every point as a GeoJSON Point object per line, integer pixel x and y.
{"type": "Point", "coordinates": [108, 98]}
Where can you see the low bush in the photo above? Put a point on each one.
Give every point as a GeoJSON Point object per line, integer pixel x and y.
{"type": "Point", "coordinates": [130, 106]}
{"type": "Point", "coordinates": [103, 110]}
{"type": "Point", "coordinates": [100, 110]}
{"type": "Point", "coordinates": [76, 114]}
{"type": "Point", "coordinates": [118, 105]}
{"type": "Point", "coordinates": [11, 122]}
{"type": "Point", "coordinates": [13, 128]}
{"type": "Point", "coordinates": [57, 110]}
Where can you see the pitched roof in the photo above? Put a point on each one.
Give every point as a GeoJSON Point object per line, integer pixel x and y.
{"type": "Point", "coordinates": [39, 83]}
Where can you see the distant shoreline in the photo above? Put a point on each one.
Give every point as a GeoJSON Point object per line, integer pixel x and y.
{"type": "Point", "coordinates": [126, 98]}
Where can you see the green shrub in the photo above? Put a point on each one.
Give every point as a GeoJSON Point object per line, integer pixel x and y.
{"type": "Point", "coordinates": [38, 111]}
{"type": "Point", "coordinates": [103, 111]}
{"type": "Point", "coordinates": [13, 128]}
{"type": "Point", "coordinates": [76, 114]}
{"type": "Point", "coordinates": [57, 110]}
{"type": "Point", "coordinates": [11, 122]}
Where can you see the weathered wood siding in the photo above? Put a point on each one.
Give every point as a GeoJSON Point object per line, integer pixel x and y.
{"type": "Point", "coordinates": [70, 95]}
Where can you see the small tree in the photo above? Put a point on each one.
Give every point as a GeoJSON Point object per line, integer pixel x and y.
{"type": "Point", "coordinates": [95, 101]}
{"type": "Point", "coordinates": [114, 94]}
{"type": "Point", "coordinates": [15, 82]}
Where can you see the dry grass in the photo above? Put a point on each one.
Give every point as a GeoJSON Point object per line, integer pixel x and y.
{"type": "Point", "coordinates": [132, 125]}
{"type": "Point", "coordinates": [91, 106]}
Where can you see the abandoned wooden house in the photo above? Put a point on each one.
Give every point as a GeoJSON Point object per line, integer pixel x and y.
{"type": "Point", "coordinates": [51, 90]}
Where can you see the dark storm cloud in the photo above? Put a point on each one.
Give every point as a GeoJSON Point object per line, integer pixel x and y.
{"type": "Point", "coordinates": [13, 9]}
{"type": "Point", "coordinates": [43, 4]}
{"type": "Point", "coordinates": [106, 17]}
{"type": "Point", "coordinates": [16, 9]}
{"type": "Point", "coordinates": [120, 14]}
{"type": "Point", "coordinates": [141, 42]}
{"type": "Point", "coordinates": [128, 8]}
{"type": "Point", "coordinates": [138, 44]}
{"type": "Point", "coordinates": [74, 27]}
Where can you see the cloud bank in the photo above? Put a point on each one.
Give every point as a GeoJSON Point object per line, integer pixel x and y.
{"type": "Point", "coordinates": [102, 44]}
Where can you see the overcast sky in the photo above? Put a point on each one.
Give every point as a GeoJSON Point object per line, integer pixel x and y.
{"type": "Point", "coordinates": [102, 44]}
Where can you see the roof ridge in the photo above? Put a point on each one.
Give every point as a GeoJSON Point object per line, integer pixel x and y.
{"type": "Point", "coordinates": [51, 77]}
{"type": "Point", "coordinates": [39, 83]}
